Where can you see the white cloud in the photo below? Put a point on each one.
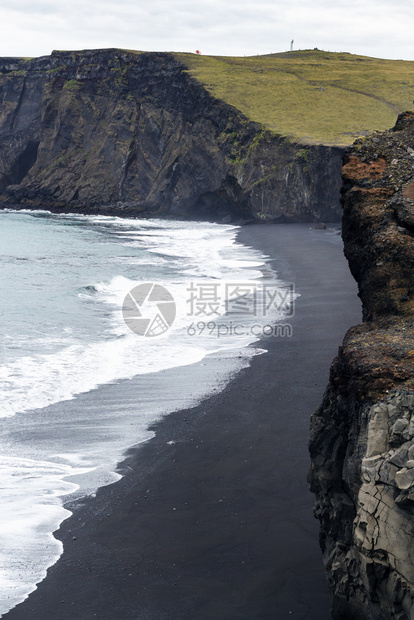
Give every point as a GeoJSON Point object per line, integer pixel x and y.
{"type": "Point", "coordinates": [236, 27]}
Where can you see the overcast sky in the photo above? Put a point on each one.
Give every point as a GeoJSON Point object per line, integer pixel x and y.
{"type": "Point", "coordinates": [222, 27]}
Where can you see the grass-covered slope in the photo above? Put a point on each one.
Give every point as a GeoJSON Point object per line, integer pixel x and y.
{"type": "Point", "coordinates": [312, 96]}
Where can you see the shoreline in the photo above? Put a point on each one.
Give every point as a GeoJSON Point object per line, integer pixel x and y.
{"type": "Point", "coordinates": [219, 524]}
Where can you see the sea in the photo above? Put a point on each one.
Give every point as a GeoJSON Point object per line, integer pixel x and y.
{"type": "Point", "coordinates": [103, 322]}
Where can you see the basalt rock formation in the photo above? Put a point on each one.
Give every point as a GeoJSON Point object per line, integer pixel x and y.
{"type": "Point", "coordinates": [362, 436]}
{"type": "Point", "coordinates": [112, 131]}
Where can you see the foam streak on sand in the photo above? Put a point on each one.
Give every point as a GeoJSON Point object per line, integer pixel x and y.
{"type": "Point", "coordinates": [33, 491]}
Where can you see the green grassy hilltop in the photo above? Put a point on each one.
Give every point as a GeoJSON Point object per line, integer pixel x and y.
{"type": "Point", "coordinates": [311, 96]}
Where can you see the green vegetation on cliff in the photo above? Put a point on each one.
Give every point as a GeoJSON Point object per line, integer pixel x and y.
{"type": "Point", "coordinates": [311, 96]}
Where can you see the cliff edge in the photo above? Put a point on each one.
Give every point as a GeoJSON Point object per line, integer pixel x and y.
{"type": "Point", "coordinates": [131, 133]}
{"type": "Point", "coordinates": [362, 435]}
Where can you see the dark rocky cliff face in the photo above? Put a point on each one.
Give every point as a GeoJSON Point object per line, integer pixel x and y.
{"type": "Point", "coordinates": [118, 132]}
{"type": "Point", "coordinates": [362, 436]}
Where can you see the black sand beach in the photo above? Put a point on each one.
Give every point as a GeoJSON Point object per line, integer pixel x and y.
{"type": "Point", "coordinates": [218, 525]}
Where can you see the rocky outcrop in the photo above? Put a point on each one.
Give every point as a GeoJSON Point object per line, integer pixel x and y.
{"type": "Point", "coordinates": [112, 131]}
{"type": "Point", "coordinates": [362, 436]}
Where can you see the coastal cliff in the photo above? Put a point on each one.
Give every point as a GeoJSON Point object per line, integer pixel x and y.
{"type": "Point", "coordinates": [128, 133]}
{"type": "Point", "coordinates": [362, 435]}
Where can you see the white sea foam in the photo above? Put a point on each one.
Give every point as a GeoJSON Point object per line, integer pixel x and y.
{"type": "Point", "coordinates": [33, 382]}
{"type": "Point", "coordinates": [36, 382]}
{"type": "Point", "coordinates": [71, 338]}
{"type": "Point", "coordinates": [31, 496]}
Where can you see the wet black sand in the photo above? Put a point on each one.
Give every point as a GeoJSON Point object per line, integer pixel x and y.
{"type": "Point", "coordinates": [218, 525]}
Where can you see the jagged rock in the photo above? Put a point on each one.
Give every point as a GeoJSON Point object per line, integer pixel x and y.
{"type": "Point", "coordinates": [128, 133]}
{"type": "Point", "coordinates": [404, 478]}
{"type": "Point", "coordinates": [362, 439]}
